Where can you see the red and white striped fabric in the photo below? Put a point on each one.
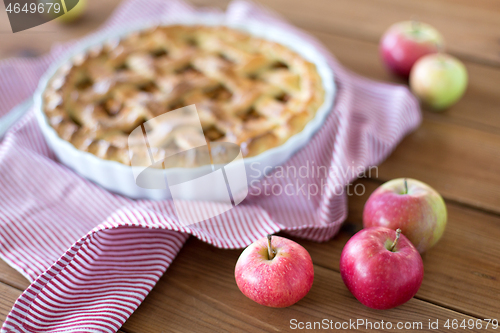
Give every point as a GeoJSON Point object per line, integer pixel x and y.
{"type": "Point", "coordinates": [93, 256]}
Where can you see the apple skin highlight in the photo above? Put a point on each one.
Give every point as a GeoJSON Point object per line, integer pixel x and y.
{"type": "Point", "coordinates": [379, 278]}
{"type": "Point", "coordinates": [420, 214]}
{"type": "Point", "coordinates": [279, 282]}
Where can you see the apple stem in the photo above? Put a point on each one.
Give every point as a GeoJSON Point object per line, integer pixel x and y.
{"type": "Point", "coordinates": [398, 234]}
{"type": "Point", "coordinates": [406, 186]}
{"type": "Point", "coordinates": [270, 250]}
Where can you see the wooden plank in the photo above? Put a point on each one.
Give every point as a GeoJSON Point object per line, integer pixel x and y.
{"type": "Point", "coordinates": [462, 153]}
{"type": "Point", "coordinates": [8, 295]}
{"type": "Point", "coordinates": [460, 163]}
{"type": "Point", "coordinates": [190, 293]}
{"type": "Point", "coordinates": [40, 39]}
{"type": "Point", "coordinates": [198, 293]}
{"type": "Point", "coordinates": [12, 289]}
{"type": "Point", "coordinates": [470, 28]}
{"type": "Point", "coordinates": [10, 276]}
{"type": "Point", "coordinates": [462, 272]}
{"type": "Point", "coordinates": [478, 108]}
{"type": "Point", "coordinates": [458, 151]}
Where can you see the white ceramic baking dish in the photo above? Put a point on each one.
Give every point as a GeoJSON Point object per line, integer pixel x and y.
{"type": "Point", "coordinates": [119, 178]}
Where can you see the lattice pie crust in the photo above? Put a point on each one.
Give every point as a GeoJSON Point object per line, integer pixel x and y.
{"type": "Point", "coordinates": [248, 91]}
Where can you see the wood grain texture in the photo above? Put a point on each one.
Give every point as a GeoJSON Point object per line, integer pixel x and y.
{"type": "Point", "coordinates": [460, 163]}
{"type": "Point", "coordinates": [463, 164]}
{"type": "Point", "coordinates": [471, 28]}
{"type": "Point", "coordinates": [462, 271]}
{"type": "Point", "coordinates": [12, 284]}
{"type": "Point", "coordinates": [478, 108]}
{"type": "Point", "coordinates": [199, 293]}
{"type": "Point", "coordinates": [458, 151]}
{"type": "Point", "coordinates": [11, 277]}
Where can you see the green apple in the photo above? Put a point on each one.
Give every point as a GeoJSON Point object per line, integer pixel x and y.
{"type": "Point", "coordinates": [439, 80]}
{"type": "Point", "coordinates": [73, 14]}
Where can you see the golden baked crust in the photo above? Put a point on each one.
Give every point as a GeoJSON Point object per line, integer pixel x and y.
{"type": "Point", "coordinates": [249, 91]}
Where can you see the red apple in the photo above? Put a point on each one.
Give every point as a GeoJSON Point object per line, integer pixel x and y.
{"type": "Point", "coordinates": [405, 42]}
{"type": "Point", "coordinates": [275, 272]}
{"type": "Point", "coordinates": [414, 207]}
{"type": "Point", "coordinates": [381, 268]}
{"type": "Point", "coordinates": [439, 80]}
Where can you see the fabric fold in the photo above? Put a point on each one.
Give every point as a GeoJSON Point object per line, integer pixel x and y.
{"type": "Point", "coordinates": [93, 256]}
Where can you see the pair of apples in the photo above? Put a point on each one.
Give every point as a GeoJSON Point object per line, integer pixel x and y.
{"type": "Point", "coordinates": [413, 49]}
{"type": "Point", "coordinates": [380, 265]}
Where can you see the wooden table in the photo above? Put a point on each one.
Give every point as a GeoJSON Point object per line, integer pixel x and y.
{"type": "Point", "coordinates": [457, 152]}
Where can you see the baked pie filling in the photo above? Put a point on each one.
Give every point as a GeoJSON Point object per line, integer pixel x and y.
{"type": "Point", "coordinates": [248, 91]}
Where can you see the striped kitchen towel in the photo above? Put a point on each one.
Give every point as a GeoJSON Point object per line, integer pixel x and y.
{"type": "Point", "coordinates": [93, 256]}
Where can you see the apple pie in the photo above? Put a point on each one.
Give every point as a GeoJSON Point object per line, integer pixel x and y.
{"type": "Point", "coordinates": [248, 91]}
